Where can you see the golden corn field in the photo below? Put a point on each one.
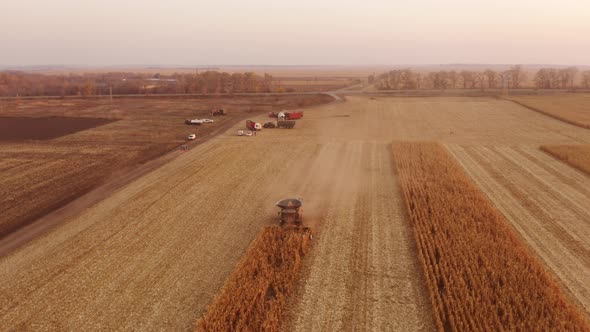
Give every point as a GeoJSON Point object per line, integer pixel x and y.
{"type": "Point", "coordinates": [479, 274]}
{"type": "Point", "coordinates": [577, 156]}
{"type": "Point", "coordinates": [254, 297]}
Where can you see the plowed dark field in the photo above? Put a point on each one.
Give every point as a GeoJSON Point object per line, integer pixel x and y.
{"type": "Point", "coordinates": [16, 129]}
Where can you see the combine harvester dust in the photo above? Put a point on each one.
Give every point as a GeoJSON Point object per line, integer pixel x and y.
{"type": "Point", "coordinates": [255, 295]}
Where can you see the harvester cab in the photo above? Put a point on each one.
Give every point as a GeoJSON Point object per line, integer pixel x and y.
{"type": "Point", "coordinates": [290, 212]}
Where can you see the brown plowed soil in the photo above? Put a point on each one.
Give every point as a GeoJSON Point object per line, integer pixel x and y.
{"type": "Point", "coordinates": [16, 129]}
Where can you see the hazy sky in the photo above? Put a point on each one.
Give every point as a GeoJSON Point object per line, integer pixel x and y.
{"type": "Point", "coordinates": [196, 32]}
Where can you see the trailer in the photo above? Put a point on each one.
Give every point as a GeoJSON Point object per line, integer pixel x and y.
{"type": "Point", "coordinates": [293, 115]}
{"type": "Point", "coordinates": [287, 124]}
{"type": "Point", "coordinates": [193, 122]}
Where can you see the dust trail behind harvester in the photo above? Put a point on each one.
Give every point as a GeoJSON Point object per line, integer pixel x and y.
{"type": "Point", "coordinates": [326, 168]}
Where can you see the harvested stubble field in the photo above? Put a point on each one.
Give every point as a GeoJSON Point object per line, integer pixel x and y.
{"type": "Point", "coordinates": [254, 297]}
{"type": "Point", "coordinates": [577, 156]}
{"type": "Point", "coordinates": [155, 254]}
{"type": "Point", "coordinates": [573, 108]}
{"type": "Point", "coordinates": [480, 274]}
{"type": "Point", "coordinates": [47, 159]}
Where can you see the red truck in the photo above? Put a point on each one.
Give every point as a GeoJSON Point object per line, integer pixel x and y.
{"type": "Point", "coordinates": [253, 125]}
{"type": "Point", "coordinates": [288, 115]}
{"type": "Point", "coordinates": [293, 115]}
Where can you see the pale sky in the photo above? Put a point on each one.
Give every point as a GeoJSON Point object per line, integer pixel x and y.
{"type": "Point", "coordinates": [303, 32]}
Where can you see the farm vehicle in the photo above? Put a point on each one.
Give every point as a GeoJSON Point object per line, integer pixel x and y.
{"type": "Point", "coordinates": [253, 125]}
{"type": "Point", "coordinates": [290, 214]}
{"type": "Point", "coordinates": [198, 121]}
{"type": "Point", "coordinates": [280, 124]}
{"type": "Point", "coordinates": [193, 122]}
{"type": "Point", "coordinates": [288, 124]}
{"type": "Point", "coordinates": [286, 115]}
{"type": "Point", "coordinates": [218, 112]}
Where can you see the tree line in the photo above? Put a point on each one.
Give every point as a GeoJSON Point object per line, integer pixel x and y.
{"type": "Point", "coordinates": [513, 78]}
{"type": "Point", "coordinates": [17, 83]}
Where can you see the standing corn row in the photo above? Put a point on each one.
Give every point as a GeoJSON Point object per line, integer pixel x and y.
{"type": "Point", "coordinates": [255, 294]}
{"type": "Point", "coordinates": [480, 275]}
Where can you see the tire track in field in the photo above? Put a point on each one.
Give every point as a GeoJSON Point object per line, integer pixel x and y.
{"type": "Point", "coordinates": [363, 274]}
{"type": "Point", "coordinates": [573, 179]}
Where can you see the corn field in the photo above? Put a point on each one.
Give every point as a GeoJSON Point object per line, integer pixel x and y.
{"type": "Point", "coordinates": [479, 274]}
{"type": "Point", "coordinates": [254, 297]}
{"type": "Point", "coordinates": [577, 156]}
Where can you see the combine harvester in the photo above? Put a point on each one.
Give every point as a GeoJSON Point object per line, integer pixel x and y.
{"type": "Point", "coordinates": [258, 290]}
{"type": "Point", "coordinates": [290, 214]}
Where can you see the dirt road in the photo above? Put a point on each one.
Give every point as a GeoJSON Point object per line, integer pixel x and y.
{"type": "Point", "coordinates": [153, 254]}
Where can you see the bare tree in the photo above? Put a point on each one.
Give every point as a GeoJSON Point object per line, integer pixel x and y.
{"type": "Point", "coordinates": [468, 78]}
{"type": "Point", "coordinates": [543, 78]}
{"type": "Point", "coordinates": [491, 78]}
{"type": "Point", "coordinates": [569, 76]}
{"type": "Point", "coordinates": [399, 79]}
{"type": "Point", "coordinates": [437, 80]}
{"type": "Point", "coordinates": [517, 76]}
{"type": "Point", "coordinates": [89, 88]}
{"type": "Point", "coordinates": [480, 79]}
{"type": "Point", "coordinates": [410, 80]}
{"type": "Point", "coordinates": [453, 78]}
{"type": "Point", "coordinates": [586, 79]}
